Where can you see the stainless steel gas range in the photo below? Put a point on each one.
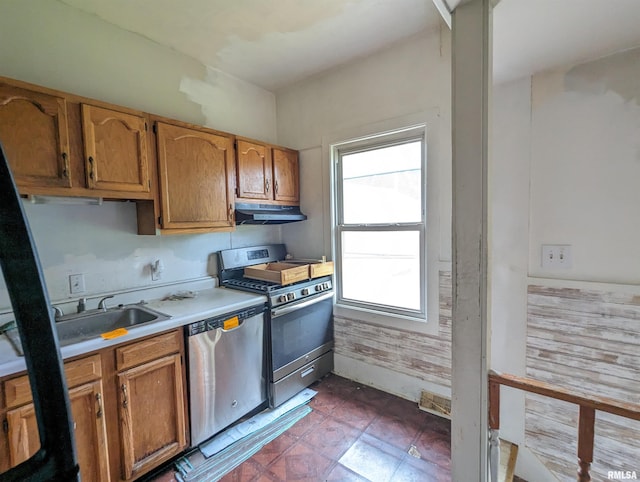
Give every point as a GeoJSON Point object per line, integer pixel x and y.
{"type": "Point", "coordinates": [299, 320]}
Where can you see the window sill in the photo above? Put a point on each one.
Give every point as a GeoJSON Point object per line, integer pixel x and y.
{"type": "Point", "coordinates": [388, 320]}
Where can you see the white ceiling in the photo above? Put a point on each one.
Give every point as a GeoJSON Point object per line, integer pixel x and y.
{"type": "Point", "coordinates": [274, 43]}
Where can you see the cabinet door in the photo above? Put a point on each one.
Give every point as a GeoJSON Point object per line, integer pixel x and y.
{"type": "Point", "coordinates": [285, 176]}
{"type": "Point", "coordinates": [196, 178]}
{"type": "Point", "coordinates": [115, 148]}
{"type": "Point", "coordinates": [254, 171]}
{"type": "Point", "coordinates": [87, 409]}
{"type": "Point", "coordinates": [151, 413]}
{"type": "Point", "coordinates": [89, 431]}
{"type": "Point", "coordinates": [22, 429]}
{"type": "Point", "coordinates": [4, 445]}
{"type": "Point", "coordinates": [35, 137]}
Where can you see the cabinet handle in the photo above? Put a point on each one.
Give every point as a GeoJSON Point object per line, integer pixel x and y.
{"type": "Point", "coordinates": [230, 212]}
{"type": "Point", "coordinates": [65, 169]}
{"type": "Point", "coordinates": [91, 164]}
{"type": "Point", "coordinates": [99, 400]}
{"type": "Point", "coordinates": [125, 403]}
{"type": "Point", "coordinates": [275, 186]}
{"type": "Point", "coordinates": [266, 184]}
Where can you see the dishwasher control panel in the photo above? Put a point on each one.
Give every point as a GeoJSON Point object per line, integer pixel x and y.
{"type": "Point", "coordinates": [227, 321]}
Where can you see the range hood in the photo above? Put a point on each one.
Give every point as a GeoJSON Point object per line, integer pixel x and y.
{"type": "Point", "coordinates": [267, 214]}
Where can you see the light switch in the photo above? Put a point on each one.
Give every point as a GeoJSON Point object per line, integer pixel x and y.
{"type": "Point", "coordinates": [556, 256]}
{"type": "Point", "coordinates": [76, 283]}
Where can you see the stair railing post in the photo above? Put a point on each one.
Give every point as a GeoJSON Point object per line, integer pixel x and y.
{"type": "Point", "coordinates": [586, 425]}
{"type": "Point", "coordinates": [494, 429]}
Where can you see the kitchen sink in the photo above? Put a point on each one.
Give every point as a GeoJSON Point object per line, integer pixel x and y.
{"type": "Point", "coordinates": [84, 326]}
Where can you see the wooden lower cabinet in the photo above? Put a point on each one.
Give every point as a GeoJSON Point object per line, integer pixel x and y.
{"type": "Point", "coordinates": [151, 414]}
{"type": "Point", "coordinates": [128, 406]}
{"type": "Point", "coordinates": [89, 430]}
{"type": "Point", "coordinates": [22, 431]}
{"type": "Point", "coordinates": [87, 410]}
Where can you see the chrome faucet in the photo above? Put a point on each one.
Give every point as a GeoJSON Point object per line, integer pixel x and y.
{"type": "Point", "coordinates": [103, 305]}
{"type": "Point", "coordinates": [82, 305]}
{"type": "Point", "coordinates": [58, 313]}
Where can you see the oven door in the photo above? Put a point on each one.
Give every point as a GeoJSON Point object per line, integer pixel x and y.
{"type": "Point", "coordinates": [301, 334]}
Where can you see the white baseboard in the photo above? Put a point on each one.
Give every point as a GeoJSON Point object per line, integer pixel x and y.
{"type": "Point", "coordinates": [389, 381]}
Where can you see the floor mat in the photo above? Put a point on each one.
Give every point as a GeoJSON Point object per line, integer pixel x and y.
{"type": "Point", "coordinates": [229, 449]}
{"type": "Point", "coordinates": [254, 424]}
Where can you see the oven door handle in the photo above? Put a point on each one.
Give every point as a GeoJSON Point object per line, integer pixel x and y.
{"type": "Point", "coordinates": [288, 309]}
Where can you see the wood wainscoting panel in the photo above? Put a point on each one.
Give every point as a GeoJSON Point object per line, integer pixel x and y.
{"type": "Point", "coordinates": [425, 357]}
{"type": "Point", "coordinates": [587, 341]}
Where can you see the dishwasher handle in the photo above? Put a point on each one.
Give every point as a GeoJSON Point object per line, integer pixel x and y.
{"type": "Point", "coordinates": [218, 322]}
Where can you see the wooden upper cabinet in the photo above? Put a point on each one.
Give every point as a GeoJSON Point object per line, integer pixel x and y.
{"type": "Point", "coordinates": [286, 178]}
{"type": "Point", "coordinates": [115, 148]}
{"type": "Point", "coordinates": [35, 137]}
{"type": "Point", "coordinates": [196, 171]}
{"type": "Point", "coordinates": [255, 179]}
{"type": "Point", "coordinates": [266, 174]}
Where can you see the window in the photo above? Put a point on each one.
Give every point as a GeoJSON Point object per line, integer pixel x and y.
{"type": "Point", "coordinates": [380, 223]}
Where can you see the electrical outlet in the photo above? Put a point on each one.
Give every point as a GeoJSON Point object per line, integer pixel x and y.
{"type": "Point", "coordinates": [557, 256]}
{"type": "Point", "coordinates": [76, 283]}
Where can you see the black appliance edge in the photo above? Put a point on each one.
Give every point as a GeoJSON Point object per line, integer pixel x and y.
{"type": "Point", "coordinates": [56, 459]}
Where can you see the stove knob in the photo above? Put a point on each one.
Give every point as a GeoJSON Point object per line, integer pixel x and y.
{"type": "Point", "coordinates": [305, 291]}
{"type": "Point", "coordinates": [282, 298]}
{"type": "Point", "coordinates": [291, 296]}
{"type": "Point", "coordinates": [325, 286]}
{"type": "Point", "coordinates": [318, 287]}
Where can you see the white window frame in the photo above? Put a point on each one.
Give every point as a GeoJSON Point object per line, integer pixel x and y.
{"type": "Point", "coordinates": [371, 142]}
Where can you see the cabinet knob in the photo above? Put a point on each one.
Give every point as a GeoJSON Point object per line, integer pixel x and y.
{"type": "Point", "coordinates": [266, 185]}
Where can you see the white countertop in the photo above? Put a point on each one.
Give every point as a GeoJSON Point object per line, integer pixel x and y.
{"type": "Point", "coordinates": [207, 303]}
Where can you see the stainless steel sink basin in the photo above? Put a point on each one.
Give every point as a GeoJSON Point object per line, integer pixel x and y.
{"type": "Point", "coordinates": [75, 328]}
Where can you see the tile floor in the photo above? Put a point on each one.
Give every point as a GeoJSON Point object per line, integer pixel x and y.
{"type": "Point", "coordinates": [354, 433]}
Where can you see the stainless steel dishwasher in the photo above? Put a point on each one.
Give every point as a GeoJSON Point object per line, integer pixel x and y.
{"type": "Point", "coordinates": [226, 370]}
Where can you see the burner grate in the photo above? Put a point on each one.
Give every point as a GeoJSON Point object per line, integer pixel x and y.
{"type": "Point", "coordinates": [253, 284]}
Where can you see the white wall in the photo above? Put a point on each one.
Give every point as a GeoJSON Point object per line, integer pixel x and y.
{"type": "Point", "coordinates": [51, 44]}
{"type": "Point", "coordinates": [400, 86]}
{"type": "Point", "coordinates": [585, 168]}
{"type": "Point", "coordinates": [406, 82]}
{"type": "Point", "coordinates": [565, 170]}
{"type": "Point", "coordinates": [510, 166]}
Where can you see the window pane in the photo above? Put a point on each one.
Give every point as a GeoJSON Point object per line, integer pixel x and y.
{"type": "Point", "coordinates": [382, 267]}
{"type": "Point", "coordinates": [383, 185]}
